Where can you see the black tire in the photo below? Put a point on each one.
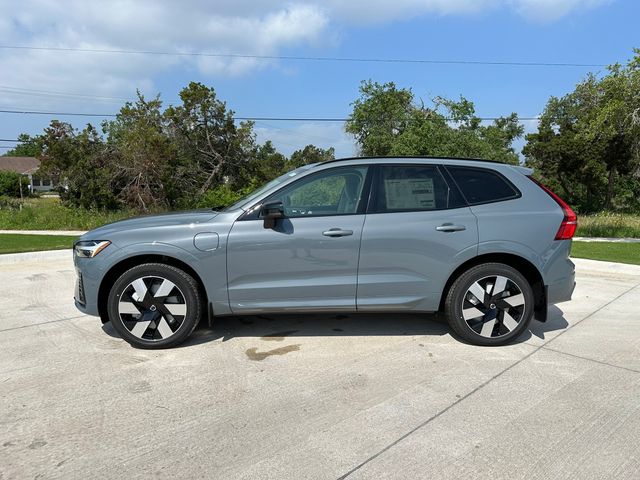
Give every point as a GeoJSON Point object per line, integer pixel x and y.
{"type": "Point", "coordinates": [497, 318]}
{"type": "Point", "coordinates": [165, 316]}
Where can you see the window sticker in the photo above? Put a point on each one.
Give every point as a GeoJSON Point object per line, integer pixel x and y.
{"type": "Point", "coordinates": [409, 193]}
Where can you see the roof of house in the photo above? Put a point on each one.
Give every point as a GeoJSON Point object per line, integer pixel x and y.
{"type": "Point", "coordinates": [24, 165]}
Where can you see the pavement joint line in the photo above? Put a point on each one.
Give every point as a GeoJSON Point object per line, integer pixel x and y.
{"type": "Point", "coordinates": [591, 360]}
{"type": "Point", "coordinates": [479, 387]}
{"type": "Point", "coordinates": [42, 323]}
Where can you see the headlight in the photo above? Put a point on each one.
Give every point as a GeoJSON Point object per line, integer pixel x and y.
{"type": "Point", "coordinates": [89, 249]}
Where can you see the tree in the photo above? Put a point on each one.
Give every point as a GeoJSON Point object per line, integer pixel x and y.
{"type": "Point", "coordinates": [205, 131]}
{"type": "Point", "coordinates": [387, 121]}
{"type": "Point", "coordinates": [310, 154]}
{"type": "Point", "coordinates": [28, 146]}
{"type": "Point", "coordinates": [81, 161]}
{"type": "Point", "coordinates": [588, 141]}
{"type": "Point", "coordinates": [144, 164]}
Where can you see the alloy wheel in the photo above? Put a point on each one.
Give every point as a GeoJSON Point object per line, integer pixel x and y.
{"type": "Point", "coordinates": [152, 308]}
{"type": "Point", "coordinates": [493, 306]}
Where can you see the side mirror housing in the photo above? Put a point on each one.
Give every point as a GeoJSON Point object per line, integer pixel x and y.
{"type": "Point", "coordinates": [270, 212]}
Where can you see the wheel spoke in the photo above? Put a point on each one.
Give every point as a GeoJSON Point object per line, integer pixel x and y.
{"type": "Point", "coordinates": [165, 289]}
{"type": "Point", "coordinates": [500, 285]}
{"type": "Point", "coordinates": [128, 308]}
{"type": "Point", "coordinates": [164, 329]}
{"type": "Point", "coordinates": [140, 327]}
{"type": "Point", "coordinates": [176, 308]}
{"type": "Point", "coordinates": [471, 313]}
{"type": "Point", "coordinates": [487, 328]}
{"type": "Point", "coordinates": [477, 291]}
{"type": "Point", "coordinates": [508, 321]}
{"type": "Point", "coordinates": [140, 289]}
{"type": "Point", "coordinates": [515, 300]}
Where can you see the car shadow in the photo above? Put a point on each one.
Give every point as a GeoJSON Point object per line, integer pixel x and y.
{"type": "Point", "coordinates": [276, 327]}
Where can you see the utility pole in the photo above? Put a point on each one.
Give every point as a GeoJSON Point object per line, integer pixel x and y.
{"type": "Point", "coordinates": [21, 199]}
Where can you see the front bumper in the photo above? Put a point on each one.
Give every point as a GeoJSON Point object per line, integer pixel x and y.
{"type": "Point", "coordinates": [86, 289]}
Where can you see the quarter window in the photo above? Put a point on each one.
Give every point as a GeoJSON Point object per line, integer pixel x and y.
{"type": "Point", "coordinates": [413, 188]}
{"type": "Point", "coordinates": [480, 185]}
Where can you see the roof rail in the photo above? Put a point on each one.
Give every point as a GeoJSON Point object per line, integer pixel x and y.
{"type": "Point", "coordinates": [433, 157]}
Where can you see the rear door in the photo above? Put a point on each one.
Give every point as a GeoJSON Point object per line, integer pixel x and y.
{"type": "Point", "coordinates": [416, 231]}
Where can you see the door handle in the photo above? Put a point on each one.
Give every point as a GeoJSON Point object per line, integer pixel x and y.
{"type": "Point", "coordinates": [337, 232]}
{"type": "Point", "coordinates": [449, 227]}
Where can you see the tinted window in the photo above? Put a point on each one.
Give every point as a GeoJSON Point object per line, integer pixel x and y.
{"type": "Point", "coordinates": [479, 185]}
{"type": "Point", "coordinates": [332, 192]}
{"type": "Point", "coordinates": [412, 187]}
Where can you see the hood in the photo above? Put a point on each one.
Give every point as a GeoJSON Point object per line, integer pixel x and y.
{"type": "Point", "coordinates": [171, 219]}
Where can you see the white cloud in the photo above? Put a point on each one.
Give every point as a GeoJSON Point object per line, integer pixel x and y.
{"type": "Point", "coordinates": [224, 27]}
{"type": "Point", "coordinates": [253, 27]}
{"type": "Point", "coordinates": [546, 11]}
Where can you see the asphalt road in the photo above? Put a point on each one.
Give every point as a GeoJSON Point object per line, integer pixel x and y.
{"type": "Point", "coordinates": [384, 396]}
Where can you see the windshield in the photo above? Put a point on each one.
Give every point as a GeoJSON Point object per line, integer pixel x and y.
{"type": "Point", "coordinates": [267, 186]}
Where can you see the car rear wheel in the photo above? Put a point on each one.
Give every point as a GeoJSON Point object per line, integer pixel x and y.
{"type": "Point", "coordinates": [154, 305]}
{"type": "Point", "coordinates": [490, 304]}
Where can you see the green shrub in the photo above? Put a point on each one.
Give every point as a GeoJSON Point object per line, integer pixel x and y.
{"type": "Point", "coordinates": [10, 184]}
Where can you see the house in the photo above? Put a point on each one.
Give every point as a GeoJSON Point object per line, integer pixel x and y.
{"type": "Point", "coordinates": [27, 166]}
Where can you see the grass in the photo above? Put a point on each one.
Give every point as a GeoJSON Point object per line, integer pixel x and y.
{"type": "Point", "coordinates": [50, 214]}
{"type": "Point", "coordinates": [607, 251]}
{"type": "Point", "coordinates": [605, 224]}
{"type": "Point", "coordinates": [17, 243]}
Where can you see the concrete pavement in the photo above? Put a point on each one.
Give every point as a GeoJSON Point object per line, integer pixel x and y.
{"type": "Point", "coordinates": [319, 396]}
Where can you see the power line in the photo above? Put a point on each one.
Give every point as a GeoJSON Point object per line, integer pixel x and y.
{"type": "Point", "coordinates": [7, 140]}
{"type": "Point", "coordinates": [47, 93]}
{"type": "Point", "coordinates": [256, 119]}
{"type": "Point", "coordinates": [305, 58]}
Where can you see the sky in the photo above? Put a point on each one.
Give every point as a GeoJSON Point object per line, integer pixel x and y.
{"type": "Point", "coordinates": [594, 32]}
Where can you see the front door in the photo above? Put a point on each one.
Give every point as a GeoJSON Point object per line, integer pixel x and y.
{"type": "Point", "coordinates": [309, 259]}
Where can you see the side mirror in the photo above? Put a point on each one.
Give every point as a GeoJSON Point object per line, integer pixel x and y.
{"type": "Point", "coordinates": [270, 212]}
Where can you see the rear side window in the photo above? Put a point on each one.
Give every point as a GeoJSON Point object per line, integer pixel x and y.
{"type": "Point", "coordinates": [480, 185]}
{"type": "Point", "coordinates": [406, 188]}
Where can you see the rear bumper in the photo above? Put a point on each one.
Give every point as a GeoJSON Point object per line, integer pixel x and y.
{"type": "Point", "coordinates": [562, 290]}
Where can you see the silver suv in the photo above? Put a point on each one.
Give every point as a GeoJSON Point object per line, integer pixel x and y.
{"type": "Point", "coordinates": [480, 241]}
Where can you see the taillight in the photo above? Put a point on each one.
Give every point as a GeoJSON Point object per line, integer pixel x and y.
{"type": "Point", "coordinates": [570, 222]}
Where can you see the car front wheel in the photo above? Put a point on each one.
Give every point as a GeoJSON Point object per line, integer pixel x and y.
{"type": "Point", "coordinates": [154, 305]}
{"type": "Point", "coordinates": [490, 304]}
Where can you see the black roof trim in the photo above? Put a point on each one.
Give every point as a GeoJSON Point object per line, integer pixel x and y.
{"type": "Point", "coordinates": [430, 157]}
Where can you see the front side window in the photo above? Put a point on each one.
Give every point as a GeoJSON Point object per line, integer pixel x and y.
{"type": "Point", "coordinates": [332, 192]}
{"type": "Point", "coordinates": [480, 185]}
{"type": "Point", "coordinates": [412, 188]}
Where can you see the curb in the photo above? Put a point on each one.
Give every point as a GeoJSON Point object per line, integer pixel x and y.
{"type": "Point", "coordinates": [13, 258]}
{"type": "Point", "coordinates": [607, 239]}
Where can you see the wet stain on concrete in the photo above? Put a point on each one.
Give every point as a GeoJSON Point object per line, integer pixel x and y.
{"type": "Point", "coordinates": [277, 336]}
{"type": "Point", "coordinates": [257, 356]}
